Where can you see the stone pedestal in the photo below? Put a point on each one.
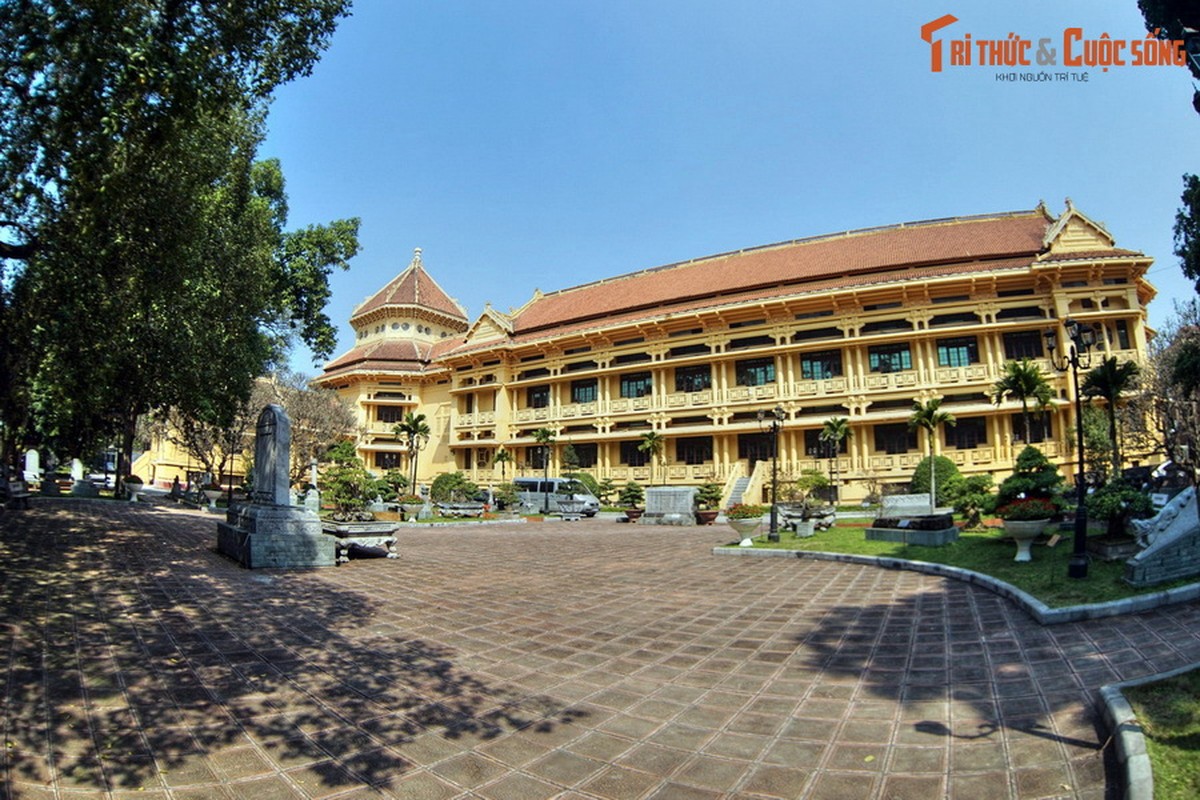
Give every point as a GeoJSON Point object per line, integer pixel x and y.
{"type": "Point", "coordinates": [670, 505]}
{"type": "Point", "coordinates": [258, 536]}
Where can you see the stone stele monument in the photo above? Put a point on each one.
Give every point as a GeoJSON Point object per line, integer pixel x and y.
{"type": "Point", "coordinates": [269, 531]}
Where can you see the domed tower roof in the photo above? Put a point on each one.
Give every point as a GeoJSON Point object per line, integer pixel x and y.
{"type": "Point", "coordinates": [412, 292]}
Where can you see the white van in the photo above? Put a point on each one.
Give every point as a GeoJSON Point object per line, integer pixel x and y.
{"type": "Point", "coordinates": [532, 493]}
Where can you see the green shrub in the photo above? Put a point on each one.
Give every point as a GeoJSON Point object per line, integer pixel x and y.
{"type": "Point", "coordinates": [947, 475]}
{"type": "Point", "coordinates": [972, 497]}
{"type": "Point", "coordinates": [452, 487]}
{"type": "Point", "coordinates": [1034, 476]}
{"type": "Point", "coordinates": [1118, 502]}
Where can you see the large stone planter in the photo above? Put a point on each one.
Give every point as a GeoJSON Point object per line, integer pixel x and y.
{"type": "Point", "coordinates": [1023, 532]}
{"type": "Point", "coordinates": [745, 529]}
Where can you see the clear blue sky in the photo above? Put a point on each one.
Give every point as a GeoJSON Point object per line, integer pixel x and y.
{"type": "Point", "coordinates": [548, 143]}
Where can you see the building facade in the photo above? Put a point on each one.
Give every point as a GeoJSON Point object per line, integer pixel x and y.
{"type": "Point", "coordinates": [857, 325]}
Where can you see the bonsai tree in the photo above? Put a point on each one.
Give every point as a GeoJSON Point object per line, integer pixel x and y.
{"type": "Point", "coordinates": [452, 487]}
{"type": "Point", "coordinates": [350, 488]}
{"type": "Point", "coordinates": [392, 485]}
{"type": "Point", "coordinates": [810, 480]}
{"type": "Point", "coordinates": [506, 496]}
{"type": "Point", "coordinates": [631, 495]}
{"type": "Point", "coordinates": [971, 498]}
{"type": "Point", "coordinates": [1118, 502]}
{"type": "Point", "coordinates": [605, 490]}
{"type": "Point", "coordinates": [1033, 477]}
{"type": "Point", "coordinates": [709, 495]}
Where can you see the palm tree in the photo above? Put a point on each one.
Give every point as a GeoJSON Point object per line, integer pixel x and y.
{"type": "Point", "coordinates": [652, 443]}
{"type": "Point", "coordinates": [928, 416]}
{"type": "Point", "coordinates": [415, 432]}
{"type": "Point", "coordinates": [1024, 381]}
{"type": "Point", "coordinates": [1109, 381]}
{"type": "Point", "coordinates": [833, 431]}
{"type": "Point", "coordinates": [502, 457]}
{"type": "Point", "coordinates": [545, 437]}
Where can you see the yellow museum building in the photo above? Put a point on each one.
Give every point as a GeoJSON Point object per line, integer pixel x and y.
{"type": "Point", "coordinates": [857, 324]}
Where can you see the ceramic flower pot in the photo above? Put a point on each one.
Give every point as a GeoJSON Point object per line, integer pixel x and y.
{"type": "Point", "coordinates": [745, 529]}
{"type": "Point", "coordinates": [1024, 531]}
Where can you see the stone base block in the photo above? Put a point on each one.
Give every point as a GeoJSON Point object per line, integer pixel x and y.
{"type": "Point", "coordinates": [908, 536]}
{"type": "Point", "coordinates": [259, 550]}
{"type": "Point", "coordinates": [672, 518]}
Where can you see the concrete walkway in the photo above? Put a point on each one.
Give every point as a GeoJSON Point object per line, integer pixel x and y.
{"type": "Point", "coordinates": [573, 660]}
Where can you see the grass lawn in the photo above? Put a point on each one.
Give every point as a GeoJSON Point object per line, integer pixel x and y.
{"type": "Point", "coordinates": [1169, 713]}
{"type": "Point", "coordinates": [1045, 577]}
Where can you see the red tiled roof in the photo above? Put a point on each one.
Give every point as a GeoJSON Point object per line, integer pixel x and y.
{"type": "Point", "coordinates": [789, 264]}
{"type": "Point", "coordinates": [385, 354]}
{"type": "Point", "coordinates": [412, 287]}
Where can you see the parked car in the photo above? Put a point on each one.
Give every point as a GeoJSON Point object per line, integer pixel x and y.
{"type": "Point", "coordinates": [533, 493]}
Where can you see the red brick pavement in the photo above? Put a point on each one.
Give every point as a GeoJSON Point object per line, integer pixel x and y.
{"type": "Point", "coordinates": [572, 660]}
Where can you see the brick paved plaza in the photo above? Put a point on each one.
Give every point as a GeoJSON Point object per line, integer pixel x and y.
{"type": "Point", "coordinates": [573, 660]}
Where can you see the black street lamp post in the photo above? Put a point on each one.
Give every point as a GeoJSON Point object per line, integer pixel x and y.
{"type": "Point", "coordinates": [775, 417]}
{"type": "Point", "coordinates": [1082, 338]}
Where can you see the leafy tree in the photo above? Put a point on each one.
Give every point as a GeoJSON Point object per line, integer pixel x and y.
{"type": "Point", "coordinates": [605, 490]}
{"type": "Point", "coordinates": [1023, 380]}
{"type": "Point", "coordinates": [146, 253]}
{"type": "Point", "coordinates": [1109, 381]}
{"type": "Point", "coordinates": [928, 416]}
{"type": "Point", "coordinates": [1117, 502]}
{"type": "Point", "coordinates": [1167, 19]}
{"type": "Point", "coordinates": [320, 417]}
{"type": "Point", "coordinates": [653, 444]}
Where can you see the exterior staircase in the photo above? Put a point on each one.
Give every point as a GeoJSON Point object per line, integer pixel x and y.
{"type": "Point", "coordinates": [738, 491]}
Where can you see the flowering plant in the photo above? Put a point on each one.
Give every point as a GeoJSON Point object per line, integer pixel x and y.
{"type": "Point", "coordinates": [1028, 508]}
{"type": "Point", "coordinates": [411, 500]}
{"type": "Point", "coordinates": [745, 511]}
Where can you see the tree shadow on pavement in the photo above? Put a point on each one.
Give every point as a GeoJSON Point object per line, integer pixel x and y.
{"type": "Point", "coordinates": [140, 659]}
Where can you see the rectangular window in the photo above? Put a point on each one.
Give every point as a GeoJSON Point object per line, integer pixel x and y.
{"type": "Point", "coordinates": [537, 397]}
{"type": "Point", "coordinates": [469, 404]}
{"type": "Point", "coordinates": [889, 357]}
{"type": "Point", "coordinates": [1121, 327]}
{"type": "Point", "coordinates": [631, 456]}
{"type": "Point", "coordinates": [967, 434]}
{"type": "Point", "coordinates": [586, 453]}
{"type": "Point", "coordinates": [957, 352]}
{"type": "Point", "coordinates": [755, 371]}
{"type": "Point", "coordinates": [1023, 344]}
{"type": "Point", "coordinates": [694, 449]}
{"type": "Point", "coordinates": [695, 378]}
{"type": "Point", "coordinates": [636, 384]}
{"type": "Point", "coordinates": [583, 391]}
{"type": "Point", "coordinates": [390, 414]}
{"type": "Point", "coordinates": [820, 366]}
{"type": "Point", "coordinates": [387, 461]}
{"type": "Point", "coordinates": [1039, 427]}
{"type": "Point", "coordinates": [895, 438]}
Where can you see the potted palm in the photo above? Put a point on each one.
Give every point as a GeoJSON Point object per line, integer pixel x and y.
{"type": "Point", "coordinates": [708, 501]}
{"type": "Point", "coordinates": [745, 518]}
